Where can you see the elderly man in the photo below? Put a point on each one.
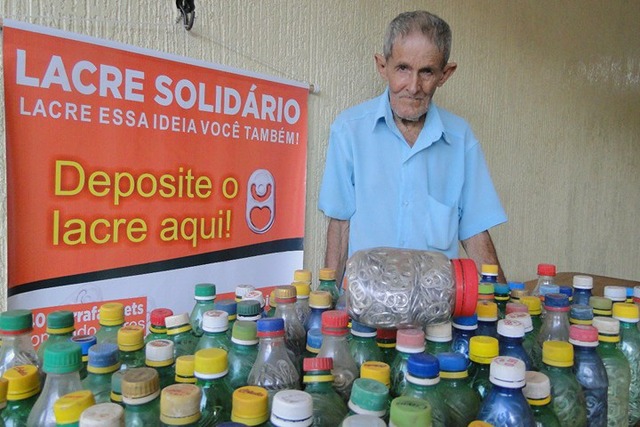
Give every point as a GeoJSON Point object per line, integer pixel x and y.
{"type": "Point", "coordinates": [403, 172]}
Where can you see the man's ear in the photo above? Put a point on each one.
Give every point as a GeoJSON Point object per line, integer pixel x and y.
{"type": "Point", "coordinates": [381, 65]}
{"type": "Point", "coordinates": [447, 72]}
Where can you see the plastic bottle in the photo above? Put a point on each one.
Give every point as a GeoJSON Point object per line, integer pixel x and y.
{"type": "Point", "coordinates": [386, 342]}
{"type": "Point", "coordinates": [409, 411]}
{"type": "Point", "coordinates": [303, 310]}
{"type": "Point", "coordinates": [488, 280]}
{"type": "Point", "coordinates": [546, 277]}
{"type": "Point", "coordinates": [502, 297]}
{"type": "Point", "coordinates": [249, 310]}
{"type": "Point", "coordinates": [303, 275]}
{"type": "Point", "coordinates": [215, 324]}
{"type": "Point", "coordinates": [179, 331]}
{"type": "Point", "coordinates": [15, 330]}
{"type": "Point", "coordinates": [159, 356]}
{"type": "Point", "coordinates": [580, 314]}
{"type": "Point", "coordinates": [590, 372]}
{"type": "Point", "coordinates": [378, 371]}
{"type": "Point", "coordinates": [618, 370]}
{"type": "Point", "coordinates": [319, 302]}
{"type": "Point", "coordinates": [511, 339]}
{"type": "Point", "coordinates": [368, 397]}
{"type": "Point", "coordinates": [230, 307]}
{"type": "Point", "coordinates": [328, 407]}
{"type": "Point", "coordinates": [505, 405]}
{"type": "Point", "coordinates": [242, 353]}
{"type": "Point", "coordinates": [211, 367]}
{"type": "Point", "coordinates": [482, 350]}
{"type": "Point", "coordinates": [327, 279]}
{"type": "Point", "coordinates": [292, 408]}
{"type": "Point", "coordinates": [104, 360]}
{"type": "Point", "coordinates": [250, 406]}
{"type": "Point", "coordinates": [363, 345]}
{"type": "Point", "coordinates": [68, 408]}
{"type": "Point", "coordinates": [180, 405]}
{"type": "Point", "coordinates": [141, 396]}
{"type": "Point", "coordinates": [555, 325]}
{"type": "Point", "coordinates": [111, 319]}
{"type": "Point", "coordinates": [335, 345]}
{"type": "Point", "coordinates": [157, 325]}
{"type": "Point", "coordinates": [295, 337]}
{"type": "Point", "coordinates": [462, 402]}
{"type": "Point", "coordinates": [615, 293]}
{"type": "Point", "coordinates": [131, 346]}
{"type": "Point", "coordinates": [273, 369]}
{"type": "Point", "coordinates": [205, 295]}
{"type": "Point", "coordinates": [529, 342]}
{"type": "Point", "coordinates": [103, 415]}
{"type": "Point", "coordinates": [582, 286]}
{"type": "Point", "coordinates": [568, 400]}
{"type": "Point", "coordinates": [409, 341]}
{"type": "Point", "coordinates": [242, 290]}
{"type": "Point", "coordinates": [438, 338]}
{"type": "Point", "coordinates": [60, 327]}
{"type": "Point", "coordinates": [23, 389]}
{"type": "Point", "coordinates": [628, 315]}
{"type": "Point", "coordinates": [116, 388]}
{"type": "Point", "coordinates": [538, 394]}
{"type": "Point", "coordinates": [85, 342]}
{"type": "Point", "coordinates": [184, 369]}
{"type": "Point", "coordinates": [487, 312]}
{"type": "Point", "coordinates": [464, 327]}
{"type": "Point", "coordinates": [423, 378]}
{"type": "Point", "coordinates": [601, 306]}
{"type": "Point", "coordinates": [314, 342]}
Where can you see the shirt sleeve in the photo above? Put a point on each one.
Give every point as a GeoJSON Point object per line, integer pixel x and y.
{"type": "Point", "coordinates": [337, 191]}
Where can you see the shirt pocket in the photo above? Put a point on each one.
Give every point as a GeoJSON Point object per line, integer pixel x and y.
{"type": "Point", "coordinates": [441, 224]}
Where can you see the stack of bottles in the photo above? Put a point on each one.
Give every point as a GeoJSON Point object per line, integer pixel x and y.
{"type": "Point", "coordinates": [559, 356]}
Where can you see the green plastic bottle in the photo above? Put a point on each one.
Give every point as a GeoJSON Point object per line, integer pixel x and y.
{"type": "Point", "coordinates": [229, 306]}
{"type": "Point", "coordinates": [205, 295]}
{"type": "Point", "coordinates": [409, 341]}
{"type": "Point", "coordinates": [131, 346]}
{"type": "Point", "coordinates": [211, 369]}
{"type": "Point", "coordinates": [363, 345]}
{"type": "Point", "coordinates": [529, 342]}
{"type": "Point", "coordinates": [157, 325]}
{"type": "Point", "coordinates": [23, 389]}
{"type": "Point", "coordinates": [423, 382]}
{"type": "Point", "coordinates": [60, 327]}
{"type": "Point", "coordinates": [409, 411]}
{"type": "Point", "coordinates": [327, 279]}
{"type": "Point", "coordinates": [628, 314]}
{"type": "Point", "coordinates": [215, 324]}
{"type": "Point", "coordinates": [328, 407]}
{"type": "Point", "coordinates": [68, 408]}
{"type": "Point", "coordinates": [159, 356]}
{"type": "Point", "coordinates": [85, 342]}
{"type": "Point", "coordinates": [116, 388]}
{"type": "Point", "coordinates": [111, 319]}
{"type": "Point", "coordinates": [103, 362]}
{"type": "Point", "coordinates": [243, 353]}
{"type": "Point", "coordinates": [482, 350]}
{"type": "Point", "coordinates": [568, 401]}
{"type": "Point", "coordinates": [386, 341]}
{"type": "Point", "coordinates": [250, 406]}
{"type": "Point", "coordinates": [439, 338]}
{"type": "Point", "coordinates": [179, 331]}
{"type": "Point", "coordinates": [141, 397]}
{"type": "Point", "coordinates": [537, 391]}
{"type": "Point", "coordinates": [180, 405]}
{"type": "Point", "coordinates": [462, 401]}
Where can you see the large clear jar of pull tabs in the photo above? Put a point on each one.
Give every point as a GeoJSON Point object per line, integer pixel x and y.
{"type": "Point", "coordinates": [399, 288]}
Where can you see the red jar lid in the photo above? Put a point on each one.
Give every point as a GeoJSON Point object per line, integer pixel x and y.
{"type": "Point", "coordinates": [465, 275]}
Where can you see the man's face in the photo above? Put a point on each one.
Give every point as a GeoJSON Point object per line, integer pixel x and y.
{"type": "Point", "coordinates": [414, 71]}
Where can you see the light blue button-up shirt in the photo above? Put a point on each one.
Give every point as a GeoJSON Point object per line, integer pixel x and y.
{"type": "Point", "coordinates": [426, 197]}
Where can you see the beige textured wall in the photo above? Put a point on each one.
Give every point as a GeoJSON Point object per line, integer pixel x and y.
{"type": "Point", "coordinates": [551, 88]}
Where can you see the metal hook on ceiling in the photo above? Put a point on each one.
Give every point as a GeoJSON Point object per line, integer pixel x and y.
{"type": "Point", "coordinates": [187, 10]}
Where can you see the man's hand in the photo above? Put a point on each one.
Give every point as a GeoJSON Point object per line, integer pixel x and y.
{"type": "Point", "coordinates": [480, 248]}
{"type": "Point", "coordinates": [337, 246]}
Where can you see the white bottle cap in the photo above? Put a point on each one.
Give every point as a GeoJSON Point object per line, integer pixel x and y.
{"type": "Point", "coordinates": [159, 351]}
{"type": "Point", "coordinates": [582, 282]}
{"type": "Point", "coordinates": [615, 293]}
{"type": "Point", "coordinates": [176, 320]}
{"type": "Point", "coordinates": [215, 321]}
{"type": "Point", "coordinates": [507, 371]}
{"type": "Point", "coordinates": [510, 328]}
{"type": "Point", "coordinates": [292, 408]}
{"type": "Point", "coordinates": [538, 386]}
{"type": "Point", "coordinates": [441, 332]}
{"type": "Point", "coordinates": [360, 420]}
{"type": "Point", "coordinates": [242, 290]}
{"type": "Point", "coordinates": [607, 325]}
{"type": "Point", "coordinates": [636, 292]}
{"type": "Point", "coordinates": [524, 318]}
{"type": "Point", "coordinates": [255, 295]}
{"type": "Point", "coordinates": [106, 414]}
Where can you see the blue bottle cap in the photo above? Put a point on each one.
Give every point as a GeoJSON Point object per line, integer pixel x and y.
{"type": "Point", "coordinates": [452, 362]}
{"type": "Point", "coordinates": [362, 328]}
{"type": "Point", "coordinates": [515, 285]}
{"type": "Point", "coordinates": [501, 288]}
{"type": "Point", "coordinates": [629, 292]}
{"type": "Point", "coordinates": [422, 365]}
{"type": "Point", "coordinates": [270, 324]}
{"type": "Point", "coordinates": [581, 312]}
{"type": "Point", "coordinates": [104, 355]}
{"type": "Point", "coordinates": [228, 305]}
{"type": "Point", "coordinates": [465, 322]}
{"type": "Point", "coordinates": [566, 290]}
{"type": "Point", "coordinates": [549, 289]}
{"type": "Point", "coordinates": [314, 339]}
{"type": "Point", "coordinates": [85, 342]}
{"type": "Point", "coordinates": [556, 300]}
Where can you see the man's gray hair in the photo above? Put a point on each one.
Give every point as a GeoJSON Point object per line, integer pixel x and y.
{"type": "Point", "coordinates": [421, 21]}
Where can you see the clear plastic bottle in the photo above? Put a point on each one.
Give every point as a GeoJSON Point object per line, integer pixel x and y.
{"type": "Point", "coordinates": [250, 406]}
{"type": "Point", "coordinates": [409, 341]}
{"type": "Point", "coordinates": [423, 378]}
{"type": "Point", "coordinates": [464, 327]}
{"type": "Point", "coordinates": [159, 356]}
{"type": "Point", "coordinates": [487, 312]}
{"type": "Point", "coordinates": [157, 325]}
{"type": "Point", "coordinates": [328, 407]}
{"type": "Point", "coordinates": [628, 315]}
{"type": "Point", "coordinates": [482, 350]}
{"type": "Point", "coordinates": [369, 397]}
{"type": "Point", "coordinates": [141, 396]}
{"type": "Point", "coordinates": [327, 282]}
{"type": "Point", "coordinates": [462, 401]}
{"type": "Point", "coordinates": [568, 400]}
{"type": "Point", "coordinates": [131, 346]}
{"type": "Point", "coordinates": [104, 360]}
{"type": "Point", "coordinates": [15, 330]}
{"type": "Point", "coordinates": [60, 327]}
{"type": "Point", "coordinates": [295, 337]}
{"type": "Point", "coordinates": [273, 369]}
{"type": "Point", "coordinates": [303, 310]}
{"type": "Point", "coordinates": [211, 368]}
{"type": "Point", "coordinates": [582, 286]}
{"type": "Point", "coordinates": [409, 411]}
{"type": "Point", "coordinates": [62, 364]}
{"type": "Point", "coordinates": [229, 306]}
{"type": "Point", "coordinates": [179, 331]}
{"type": "Point", "coordinates": [529, 341]}
{"type": "Point", "coordinates": [242, 290]}
{"type": "Point", "coordinates": [180, 405]}
{"type": "Point", "coordinates": [502, 296]}
{"type": "Point", "coordinates": [335, 345]}
{"type": "Point", "coordinates": [103, 415]}
{"type": "Point", "coordinates": [505, 405]}
{"type": "Point", "coordinates": [601, 306]}
{"type": "Point", "coordinates": [363, 345]}
{"type": "Point", "coordinates": [292, 408]}
{"type": "Point", "coordinates": [546, 277]}
{"type": "Point", "coordinates": [511, 340]}
{"type": "Point", "coordinates": [555, 326]}
{"type": "Point", "coordinates": [249, 310]}
{"type": "Point", "coordinates": [538, 394]}
{"type": "Point", "coordinates": [590, 372]}
{"type": "Point", "coordinates": [618, 370]}
{"type": "Point", "coordinates": [386, 342]}
{"type": "Point", "coordinates": [438, 338]}
{"type": "Point", "coordinates": [215, 324]}
{"type": "Point", "coordinates": [23, 389]}
{"type": "Point", "coordinates": [319, 302]}
{"type": "Point", "coordinates": [85, 342]}
{"type": "Point", "coordinates": [580, 314]}
{"type": "Point", "coordinates": [111, 319]}
{"type": "Point", "coordinates": [68, 408]}
{"type": "Point", "coordinates": [205, 295]}
{"type": "Point", "coordinates": [242, 353]}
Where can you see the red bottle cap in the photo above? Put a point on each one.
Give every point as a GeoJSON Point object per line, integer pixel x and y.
{"type": "Point", "coordinates": [386, 334]}
{"type": "Point", "coordinates": [410, 340]}
{"type": "Point", "coordinates": [465, 276]}
{"type": "Point", "coordinates": [546, 270]}
{"type": "Point", "coordinates": [317, 364]}
{"type": "Point", "coordinates": [583, 333]}
{"type": "Point", "coordinates": [335, 319]}
{"type": "Point", "coordinates": [158, 315]}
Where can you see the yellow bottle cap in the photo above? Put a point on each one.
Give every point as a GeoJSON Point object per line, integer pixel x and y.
{"type": "Point", "coordinates": [286, 292]}
{"type": "Point", "coordinates": [140, 385]}
{"type": "Point", "coordinates": [557, 353]}
{"type": "Point", "coordinates": [180, 404]}
{"type": "Point", "coordinates": [210, 363]}
{"type": "Point", "coordinates": [69, 407]}
{"type": "Point", "coordinates": [626, 312]}
{"type": "Point", "coordinates": [517, 294]}
{"type": "Point", "coordinates": [250, 406]}
{"type": "Point", "coordinates": [302, 275]}
{"type": "Point", "coordinates": [483, 349]}
{"type": "Point", "coordinates": [185, 366]}
{"type": "Point", "coordinates": [478, 423]}
{"type": "Point", "coordinates": [4, 385]}
{"type": "Point", "coordinates": [327, 274]}
{"type": "Point", "coordinates": [130, 338]}
{"type": "Point", "coordinates": [533, 303]}
{"type": "Point", "coordinates": [320, 299]}
{"type": "Point", "coordinates": [111, 314]}
{"type": "Point", "coordinates": [302, 289]}
{"type": "Point", "coordinates": [24, 382]}
{"type": "Point", "coordinates": [487, 310]}
{"type": "Point", "coordinates": [272, 299]}
{"type": "Point", "coordinates": [378, 371]}
{"type": "Point", "coordinates": [491, 269]}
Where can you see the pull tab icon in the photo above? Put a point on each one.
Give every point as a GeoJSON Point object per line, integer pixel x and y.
{"type": "Point", "coordinates": [261, 194]}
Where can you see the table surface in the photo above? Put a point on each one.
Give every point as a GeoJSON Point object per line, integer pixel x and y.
{"type": "Point", "coordinates": [599, 282]}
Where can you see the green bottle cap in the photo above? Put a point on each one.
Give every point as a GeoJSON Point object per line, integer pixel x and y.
{"type": "Point", "coordinates": [205, 291]}
{"type": "Point", "coordinates": [369, 397]}
{"type": "Point", "coordinates": [62, 358]}
{"type": "Point", "coordinates": [60, 322]}
{"type": "Point", "coordinates": [15, 322]}
{"type": "Point", "coordinates": [407, 411]}
{"type": "Point", "coordinates": [248, 308]}
{"type": "Point", "coordinates": [244, 332]}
